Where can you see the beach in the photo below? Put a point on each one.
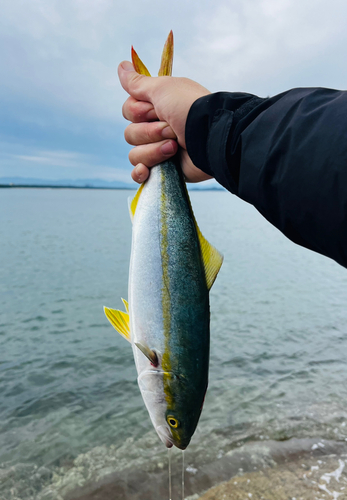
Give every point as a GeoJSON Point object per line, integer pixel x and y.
{"type": "Point", "coordinates": [298, 468]}
{"type": "Point", "coordinates": [302, 475]}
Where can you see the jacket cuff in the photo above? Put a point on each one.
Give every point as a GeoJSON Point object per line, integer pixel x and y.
{"type": "Point", "coordinates": [211, 121]}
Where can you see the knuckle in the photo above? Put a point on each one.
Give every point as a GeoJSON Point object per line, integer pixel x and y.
{"type": "Point", "coordinates": [130, 109]}
{"type": "Point", "coordinates": [153, 156]}
{"type": "Point", "coordinates": [128, 135]}
{"type": "Point", "coordinates": [124, 113]}
{"type": "Point", "coordinates": [126, 108]}
{"type": "Point", "coordinates": [158, 129]}
{"type": "Point", "coordinates": [132, 157]}
{"type": "Point", "coordinates": [148, 133]}
{"type": "Point", "coordinates": [135, 83]}
{"type": "Point", "coordinates": [148, 154]}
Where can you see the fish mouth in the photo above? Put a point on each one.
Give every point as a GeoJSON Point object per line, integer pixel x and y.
{"type": "Point", "coordinates": [181, 446]}
{"type": "Point", "coordinates": [165, 435]}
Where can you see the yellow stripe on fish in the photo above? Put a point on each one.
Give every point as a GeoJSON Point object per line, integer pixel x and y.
{"type": "Point", "coordinates": [166, 362]}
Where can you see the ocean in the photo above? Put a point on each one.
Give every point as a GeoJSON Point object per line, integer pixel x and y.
{"type": "Point", "coordinates": [71, 414]}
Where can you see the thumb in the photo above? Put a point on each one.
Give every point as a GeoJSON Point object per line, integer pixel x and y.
{"type": "Point", "coordinates": [138, 86]}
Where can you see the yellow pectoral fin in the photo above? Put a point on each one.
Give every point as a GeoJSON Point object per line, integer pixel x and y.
{"type": "Point", "coordinates": [138, 64]}
{"type": "Point", "coordinates": [167, 57]}
{"type": "Point", "coordinates": [134, 202]}
{"type": "Point", "coordinates": [119, 320]}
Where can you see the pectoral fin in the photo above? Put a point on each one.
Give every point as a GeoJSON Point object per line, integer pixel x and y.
{"type": "Point", "coordinates": [149, 353]}
{"type": "Point", "coordinates": [119, 320]}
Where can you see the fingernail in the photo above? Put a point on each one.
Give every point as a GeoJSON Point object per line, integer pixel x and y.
{"type": "Point", "coordinates": [138, 171]}
{"type": "Point", "coordinates": [127, 66]}
{"type": "Point", "coordinates": [167, 148]}
{"type": "Point", "coordinates": [151, 115]}
{"type": "Point", "coordinates": [167, 132]}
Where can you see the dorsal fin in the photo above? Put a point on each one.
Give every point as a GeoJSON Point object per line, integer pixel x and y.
{"type": "Point", "coordinates": [133, 203]}
{"type": "Point", "coordinates": [119, 320]}
{"type": "Point", "coordinates": [138, 64]}
{"type": "Point", "coordinates": [167, 57]}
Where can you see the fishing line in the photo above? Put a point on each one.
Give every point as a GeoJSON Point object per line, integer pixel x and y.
{"type": "Point", "coordinates": [169, 456]}
{"type": "Point", "coordinates": [182, 474]}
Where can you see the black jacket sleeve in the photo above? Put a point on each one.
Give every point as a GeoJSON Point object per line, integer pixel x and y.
{"type": "Point", "coordinates": [286, 155]}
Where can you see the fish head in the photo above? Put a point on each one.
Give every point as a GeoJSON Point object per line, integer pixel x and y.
{"type": "Point", "coordinates": [173, 406]}
{"type": "Point", "coordinates": [184, 405]}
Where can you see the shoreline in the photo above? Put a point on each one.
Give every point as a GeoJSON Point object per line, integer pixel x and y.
{"type": "Point", "coordinates": [48, 186]}
{"type": "Point", "coordinates": [277, 469]}
{"type": "Point", "coordinates": [121, 188]}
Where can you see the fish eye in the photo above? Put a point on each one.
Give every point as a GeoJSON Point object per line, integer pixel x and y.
{"type": "Point", "coordinates": [172, 421]}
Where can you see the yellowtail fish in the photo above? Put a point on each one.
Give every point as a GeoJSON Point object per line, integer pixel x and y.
{"type": "Point", "coordinates": [167, 320]}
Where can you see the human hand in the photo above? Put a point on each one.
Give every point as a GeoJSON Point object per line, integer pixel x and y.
{"type": "Point", "coordinates": [158, 108]}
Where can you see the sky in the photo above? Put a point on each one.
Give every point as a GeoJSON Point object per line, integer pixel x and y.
{"type": "Point", "coordinates": [60, 99]}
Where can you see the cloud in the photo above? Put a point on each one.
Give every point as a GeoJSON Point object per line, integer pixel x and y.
{"type": "Point", "coordinates": [66, 53]}
{"type": "Point", "coordinates": [269, 46]}
{"type": "Point", "coordinates": [56, 164]}
{"type": "Point", "coordinates": [58, 61]}
{"type": "Point", "coordinates": [64, 159]}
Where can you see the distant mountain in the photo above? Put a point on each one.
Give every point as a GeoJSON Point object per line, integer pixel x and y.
{"type": "Point", "coordinates": [205, 186]}
{"type": "Point", "coordinates": [92, 184]}
{"type": "Point", "coordinates": [76, 183]}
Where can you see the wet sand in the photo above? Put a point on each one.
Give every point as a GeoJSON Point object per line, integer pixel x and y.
{"type": "Point", "coordinates": [313, 479]}
{"type": "Point", "coordinates": [300, 469]}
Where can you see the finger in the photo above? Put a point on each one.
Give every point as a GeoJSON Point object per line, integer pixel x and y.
{"type": "Point", "coordinates": [140, 173]}
{"type": "Point", "coordinates": [139, 86]}
{"type": "Point", "coordinates": [138, 111]}
{"type": "Point", "coordinates": [147, 133]}
{"type": "Point", "coordinates": [152, 154]}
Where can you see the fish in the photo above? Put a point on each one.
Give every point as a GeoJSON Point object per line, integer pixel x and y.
{"type": "Point", "coordinates": [167, 316]}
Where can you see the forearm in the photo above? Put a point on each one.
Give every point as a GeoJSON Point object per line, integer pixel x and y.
{"type": "Point", "coordinates": [286, 155]}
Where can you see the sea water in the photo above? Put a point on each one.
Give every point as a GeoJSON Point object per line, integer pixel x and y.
{"type": "Point", "coordinates": [70, 409]}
